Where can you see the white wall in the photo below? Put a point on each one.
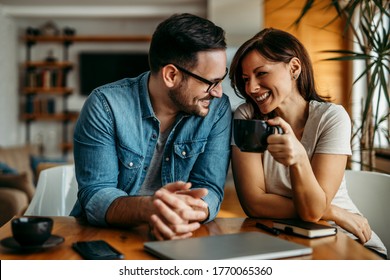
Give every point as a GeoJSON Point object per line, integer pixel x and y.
{"type": "Point", "coordinates": [240, 20]}
{"type": "Point", "coordinates": [10, 126]}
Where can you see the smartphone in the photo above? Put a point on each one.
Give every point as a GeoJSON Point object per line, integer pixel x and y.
{"type": "Point", "coordinates": [97, 250]}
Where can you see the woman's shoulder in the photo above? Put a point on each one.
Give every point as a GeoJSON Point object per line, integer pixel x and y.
{"type": "Point", "coordinates": [244, 111]}
{"type": "Point", "coordinates": [327, 109]}
{"type": "Point", "coordinates": [329, 116]}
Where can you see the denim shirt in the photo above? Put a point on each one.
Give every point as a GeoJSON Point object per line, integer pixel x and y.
{"type": "Point", "coordinates": [115, 137]}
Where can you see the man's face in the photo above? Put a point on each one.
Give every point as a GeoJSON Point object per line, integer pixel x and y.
{"type": "Point", "coordinates": [191, 95]}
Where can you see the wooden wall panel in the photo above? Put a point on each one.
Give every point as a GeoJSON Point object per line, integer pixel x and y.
{"type": "Point", "coordinates": [332, 77]}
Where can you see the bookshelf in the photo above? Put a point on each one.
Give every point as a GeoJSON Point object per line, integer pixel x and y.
{"type": "Point", "coordinates": [45, 81]}
{"type": "Point", "coordinates": [44, 90]}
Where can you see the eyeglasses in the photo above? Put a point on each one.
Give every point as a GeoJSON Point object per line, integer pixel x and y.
{"type": "Point", "coordinates": [211, 84]}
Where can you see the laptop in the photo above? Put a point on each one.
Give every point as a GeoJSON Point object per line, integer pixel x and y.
{"type": "Point", "coordinates": [243, 245]}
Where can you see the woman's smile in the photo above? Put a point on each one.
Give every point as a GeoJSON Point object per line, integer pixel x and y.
{"type": "Point", "coordinates": [262, 97]}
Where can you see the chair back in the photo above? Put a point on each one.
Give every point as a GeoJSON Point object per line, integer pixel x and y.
{"type": "Point", "coordinates": [56, 192]}
{"type": "Point", "coordinates": [370, 191]}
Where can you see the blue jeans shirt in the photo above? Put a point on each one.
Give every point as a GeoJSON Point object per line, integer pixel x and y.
{"type": "Point", "coordinates": [114, 141]}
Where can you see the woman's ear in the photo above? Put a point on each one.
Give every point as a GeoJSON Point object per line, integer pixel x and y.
{"type": "Point", "coordinates": [295, 68]}
{"type": "Point", "coordinates": [170, 75]}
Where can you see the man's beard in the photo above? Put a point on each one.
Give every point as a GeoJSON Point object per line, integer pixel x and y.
{"type": "Point", "coordinates": [178, 98]}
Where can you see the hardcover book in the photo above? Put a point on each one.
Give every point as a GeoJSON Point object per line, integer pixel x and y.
{"type": "Point", "coordinates": [303, 228]}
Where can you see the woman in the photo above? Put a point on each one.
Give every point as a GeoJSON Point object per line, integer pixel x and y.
{"type": "Point", "coordinates": [301, 174]}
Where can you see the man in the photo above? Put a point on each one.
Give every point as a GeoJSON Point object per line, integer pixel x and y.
{"type": "Point", "coordinates": [155, 149]}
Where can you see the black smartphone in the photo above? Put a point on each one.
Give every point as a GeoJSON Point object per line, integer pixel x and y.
{"type": "Point", "coordinates": [97, 250]}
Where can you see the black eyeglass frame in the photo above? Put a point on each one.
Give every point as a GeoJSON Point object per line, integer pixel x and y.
{"type": "Point", "coordinates": [211, 84]}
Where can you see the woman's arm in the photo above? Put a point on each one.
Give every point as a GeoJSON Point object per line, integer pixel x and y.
{"type": "Point", "coordinates": [314, 182]}
{"type": "Point", "coordinates": [352, 222]}
{"type": "Point", "coordinates": [327, 170]}
{"type": "Point", "coordinates": [249, 180]}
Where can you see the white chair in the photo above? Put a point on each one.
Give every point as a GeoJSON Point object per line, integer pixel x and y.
{"type": "Point", "coordinates": [370, 191]}
{"type": "Point", "coordinates": [56, 192]}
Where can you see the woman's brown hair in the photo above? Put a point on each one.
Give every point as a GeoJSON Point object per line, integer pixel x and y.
{"type": "Point", "coordinates": [276, 46]}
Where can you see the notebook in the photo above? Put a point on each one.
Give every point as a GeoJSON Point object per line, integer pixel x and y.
{"type": "Point", "coordinates": [303, 228]}
{"type": "Point", "coordinates": [244, 245]}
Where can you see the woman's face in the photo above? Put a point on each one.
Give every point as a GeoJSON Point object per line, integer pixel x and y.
{"type": "Point", "coordinates": [268, 83]}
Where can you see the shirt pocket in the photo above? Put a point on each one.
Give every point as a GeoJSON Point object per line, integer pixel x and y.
{"type": "Point", "coordinates": [130, 163]}
{"type": "Point", "coordinates": [190, 149]}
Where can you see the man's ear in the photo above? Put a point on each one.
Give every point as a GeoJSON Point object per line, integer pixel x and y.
{"type": "Point", "coordinates": [170, 75]}
{"type": "Point", "coordinates": [295, 67]}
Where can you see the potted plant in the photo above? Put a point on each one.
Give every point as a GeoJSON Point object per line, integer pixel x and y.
{"type": "Point", "coordinates": [367, 22]}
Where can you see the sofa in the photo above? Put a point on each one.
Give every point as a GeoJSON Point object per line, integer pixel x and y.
{"type": "Point", "coordinates": [16, 181]}
{"type": "Point", "coordinates": [19, 171]}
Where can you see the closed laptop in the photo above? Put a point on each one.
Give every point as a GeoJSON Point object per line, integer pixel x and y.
{"type": "Point", "coordinates": [244, 245]}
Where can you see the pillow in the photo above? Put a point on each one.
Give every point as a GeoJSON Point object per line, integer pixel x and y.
{"type": "Point", "coordinates": [17, 181]}
{"type": "Point", "coordinates": [5, 169]}
{"type": "Point", "coordinates": [18, 157]}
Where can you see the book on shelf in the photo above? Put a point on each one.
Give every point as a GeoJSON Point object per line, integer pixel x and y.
{"type": "Point", "coordinates": [31, 80]}
{"type": "Point", "coordinates": [45, 78]}
{"type": "Point", "coordinates": [303, 228]}
{"type": "Point", "coordinates": [29, 105]}
{"type": "Point", "coordinates": [40, 106]}
{"type": "Point", "coordinates": [51, 106]}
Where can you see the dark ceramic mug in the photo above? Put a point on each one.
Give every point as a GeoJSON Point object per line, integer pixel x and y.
{"type": "Point", "coordinates": [251, 135]}
{"type": "Point", "coordinates": [31, 231]}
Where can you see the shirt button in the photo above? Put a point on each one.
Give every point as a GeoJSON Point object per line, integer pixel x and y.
{"type": "Point", "coordinates": [167, 159]}
{"type": "Point", "coordinates": [131, 164]}
{"type": "Point", "coordinates": [183, 153]}
{"type": "Point", "coordinates": [154, 136]}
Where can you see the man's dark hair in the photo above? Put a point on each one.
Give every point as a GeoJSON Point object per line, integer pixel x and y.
{"type": "Point", "coordinates": [179, 38]}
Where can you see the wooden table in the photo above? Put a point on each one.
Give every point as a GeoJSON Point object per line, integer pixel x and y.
{"type": "Point", "coordinates": [130, 241]}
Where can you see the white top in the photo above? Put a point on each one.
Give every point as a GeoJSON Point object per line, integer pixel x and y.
{"type": "Point", "coordinates": [328, 131]}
